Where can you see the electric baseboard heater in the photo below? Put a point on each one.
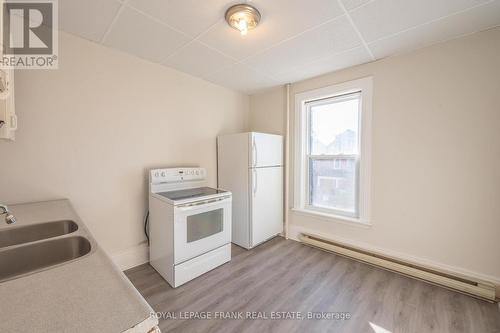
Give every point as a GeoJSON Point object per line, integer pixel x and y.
{"type": "Point", "coordinates": [473, 287]}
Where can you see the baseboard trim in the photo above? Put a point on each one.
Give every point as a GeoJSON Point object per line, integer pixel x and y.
{"type": "Point", "coordinates": [295, 231]}
{"type": "Point", "coordinates": [132, 257]}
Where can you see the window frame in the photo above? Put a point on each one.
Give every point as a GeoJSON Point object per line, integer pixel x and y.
{"type": "Point", "coordinates": [303, 101]}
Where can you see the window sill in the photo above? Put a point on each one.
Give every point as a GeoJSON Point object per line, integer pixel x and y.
{"type": "Point", "coordinates": [332, 217]}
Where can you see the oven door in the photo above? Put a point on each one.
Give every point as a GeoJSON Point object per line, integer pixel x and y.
{"type": "Point", "coordinates": [201, 227]}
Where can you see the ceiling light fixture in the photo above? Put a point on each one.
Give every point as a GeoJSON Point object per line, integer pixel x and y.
{"type": "Point", "coordinates": [242, 17]}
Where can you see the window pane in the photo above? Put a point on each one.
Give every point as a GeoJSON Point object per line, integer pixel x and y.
{"type": "Point", "coordinates": [333, 184]}
{"type": "Point", "coordinates": [334, 126]}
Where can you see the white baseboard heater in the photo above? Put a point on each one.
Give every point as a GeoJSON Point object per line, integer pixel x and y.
{"type": "Point", "coordinates": [473, 287]}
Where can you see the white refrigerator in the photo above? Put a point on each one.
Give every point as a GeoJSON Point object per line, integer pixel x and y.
{"type": "Point", "coordinates": [250, 165]}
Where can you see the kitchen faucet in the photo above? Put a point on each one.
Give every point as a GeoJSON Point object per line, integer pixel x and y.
{"type": "Point", "coordinates": [9, 218]}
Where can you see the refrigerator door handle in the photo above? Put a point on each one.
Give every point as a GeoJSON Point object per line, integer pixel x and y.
{"type": "Point", "coordinates": [254, 182]}
{"type": "Point", "coordinates": [254, 152]}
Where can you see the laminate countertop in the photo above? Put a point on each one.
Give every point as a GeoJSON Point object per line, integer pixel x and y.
{"type": "Point", "coordinates": [87, 294]}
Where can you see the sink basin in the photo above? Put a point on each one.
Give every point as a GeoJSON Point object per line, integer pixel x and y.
{"type": "Point", "coordinates": [30, 233]}
{"type": "Point", "coordinates": [33, 257]}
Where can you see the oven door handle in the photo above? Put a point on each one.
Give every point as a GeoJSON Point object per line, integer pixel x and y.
{"type": "Point", "coordinates": [203, 204]}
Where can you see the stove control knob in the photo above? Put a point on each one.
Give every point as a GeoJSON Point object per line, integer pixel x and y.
{"type": "Point", "coordinates": [163, 174]}
{"type": "Point", "coordinates": [197, 172]}
{"type": "Point", "coordinates": [157, 174]}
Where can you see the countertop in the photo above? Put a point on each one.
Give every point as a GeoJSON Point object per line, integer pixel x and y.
{"type": "Point", "coordinates": [89, 294]}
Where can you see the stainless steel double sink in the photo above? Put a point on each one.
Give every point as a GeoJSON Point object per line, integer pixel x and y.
{"type": "Point", "coordinates": [28, 249]}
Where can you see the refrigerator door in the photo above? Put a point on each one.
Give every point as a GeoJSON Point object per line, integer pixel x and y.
{"type": "Point", "coordinates": [265, 150]}
{"type": "Point", "coordinates": [266, 186]}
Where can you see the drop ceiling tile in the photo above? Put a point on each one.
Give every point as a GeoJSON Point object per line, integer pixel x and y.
{"type": "Point", "coordinates": [474, 20]}
{"type": "Point", "coordinates": [336, 62]}
{"type": "Point", "coordinates": [89, 19]}
{"type": "Point", "coordinates": [332, 37]}
{"type": "Point", "coordinates": [290, 77]}
{"type": "Point", "coordinates": [198, 60]}
{"type": "Point", "coordinates": [242, 78]}
{"type": "Point", "coordinates": [136, 34]}
{"type": "Point", "coordinates": [189, 16]}
{"type": "Point", "coordinates": [331, 63]}
{"type": "Point", "coordinates": [281, 19]}
{"type": "Point", "coordinates": [351, 4]}
{"type": "Point", "coordinates": [382, 18]}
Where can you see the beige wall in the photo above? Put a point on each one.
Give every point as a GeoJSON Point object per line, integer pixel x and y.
{"type": "Point", "coordinates": [90, 130]}
{"type": "Point", "coordinates": [267, 111]}
{"type": "Point", "coordinates": [436, 155]}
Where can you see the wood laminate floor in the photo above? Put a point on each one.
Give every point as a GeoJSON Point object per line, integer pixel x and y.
{"type": "Point", "coordinates": [282, 275]}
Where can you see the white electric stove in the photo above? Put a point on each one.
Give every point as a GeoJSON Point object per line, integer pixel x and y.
{"type": "Point", "coordinates": [189, 224]}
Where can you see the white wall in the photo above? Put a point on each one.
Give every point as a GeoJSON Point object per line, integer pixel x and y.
{"type": "Point", "coordinates": [90, 130]}
{"type": "Point", "coordinates": [436, 155]}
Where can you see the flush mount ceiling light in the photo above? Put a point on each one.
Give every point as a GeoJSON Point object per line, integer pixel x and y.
{"type": "Point", "coordinates": [242, 17]}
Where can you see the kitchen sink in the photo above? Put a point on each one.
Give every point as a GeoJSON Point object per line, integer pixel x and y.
{"type": "Point", "coordinates": [30, 258]}
{"type": "Point", "coordinates": [30, 233]}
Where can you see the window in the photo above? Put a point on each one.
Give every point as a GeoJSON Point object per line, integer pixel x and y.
{"type": "Point", "coordinates": [332, 151]}
{"type": "Point", "coordinates": [333, 139]}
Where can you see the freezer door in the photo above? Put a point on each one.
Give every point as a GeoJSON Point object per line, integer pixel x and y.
{"type": "Point", "coordinates": [266, 203]}
{"type": "Point", "coordinates": [265, 150]}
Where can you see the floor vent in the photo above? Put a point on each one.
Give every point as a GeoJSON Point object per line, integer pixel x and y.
{"type": "Point", "coordinates": [473, 287]}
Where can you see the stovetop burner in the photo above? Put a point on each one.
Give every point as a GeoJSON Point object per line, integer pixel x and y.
{"type": "Point", "coordinates": [191, 193]}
